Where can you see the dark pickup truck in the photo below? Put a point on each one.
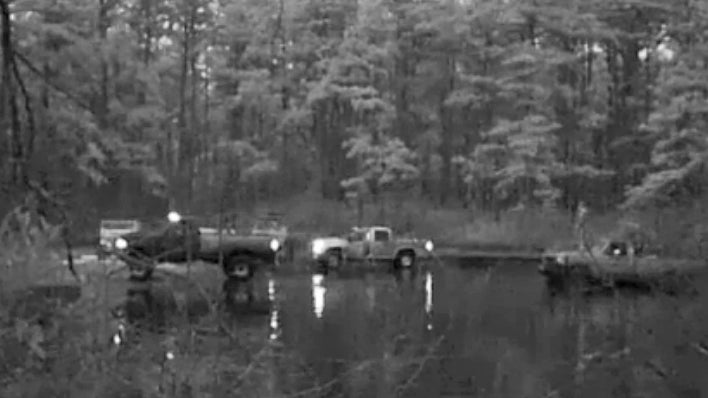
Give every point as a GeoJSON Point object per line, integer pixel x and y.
{"type": "Point", "coordinates": [179, 241]}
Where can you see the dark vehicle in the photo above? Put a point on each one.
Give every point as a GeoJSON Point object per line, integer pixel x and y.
{"type": "Point", "coordinates": [109, 230]}
{"type": "Point", "coordinates": [272, 225]}
{"type": "Point", "coordinates": [181, 240]}
{"type": "Point", "coordinates": [617, 262]}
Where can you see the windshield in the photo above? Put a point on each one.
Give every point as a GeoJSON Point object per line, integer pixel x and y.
{"type": "Point", "coordinates": [119, 224]}
{"type": "Point", "coordinates": [357, 236]}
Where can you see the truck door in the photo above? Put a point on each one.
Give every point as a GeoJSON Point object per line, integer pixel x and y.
{"type": "Point", "coordinates": [179, 240]}
{"type": "Point", "coordinates": [380, 242]}
{"type": "Point", "coordinates": [357, 247]}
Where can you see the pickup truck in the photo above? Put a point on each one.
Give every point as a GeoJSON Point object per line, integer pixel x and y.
{"type": "Point", "coordinates": [373, 244]}
{"type": "Point", "coordinates": [617, 262]}
{"type": "Point", "coordinates": [109, 230]}
{"type": "Point", "coordinates": [273, 227]}
{"type": "Point", "coordinates": [181, 240]}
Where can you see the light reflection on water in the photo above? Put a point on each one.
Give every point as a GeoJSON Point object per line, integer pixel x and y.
{"type": "Point", "coordinates": [271, 289]}
{"type": "Point", "coordinates": [274, 315]}
{"type": "Point", "coordinates": [318, 295]}
{"type": "Point", "coordinates": [429, 298]}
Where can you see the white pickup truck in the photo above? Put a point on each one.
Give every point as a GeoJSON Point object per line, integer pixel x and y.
{"type": "Point", "coordinates": [372, 244]}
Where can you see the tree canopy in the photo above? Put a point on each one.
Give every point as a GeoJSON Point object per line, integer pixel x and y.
{"type": "Point", "coordinates": [493, 103]}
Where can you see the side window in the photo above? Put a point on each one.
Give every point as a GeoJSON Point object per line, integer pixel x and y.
{"type": "Point", "coordinates": [381, 236]}
{"type": "Point", "coordinates": [181, 228]}
{"type": "Point", "coordinates": [356, 236]}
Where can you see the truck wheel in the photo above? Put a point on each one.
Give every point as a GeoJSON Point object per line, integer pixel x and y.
{"type": "Point", "coordinates": [238, 267]}
{"type": "Point", "coordinates": [333, 259]}
{"type": "Point", "coordinates": [405, 259]}
{"type": "Point", "coordinates": [141, 275]}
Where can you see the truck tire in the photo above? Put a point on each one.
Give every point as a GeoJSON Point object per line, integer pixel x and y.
{"type": "Point", "coordinates": [238, 267]}
{"type": "Point", "coordinates": [141, 275]}
{"type": "Point", "coordinates": [333, 259]}
{"type": "Point", "coordinates": [405, 259]}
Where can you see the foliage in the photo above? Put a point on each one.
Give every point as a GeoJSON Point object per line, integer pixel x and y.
{"type": "Point", "coordinates": [494, 104]}
{"type": "Point", "coordinates": [678, 126]}
{"type": "Point", "coordinates": [383, 165]}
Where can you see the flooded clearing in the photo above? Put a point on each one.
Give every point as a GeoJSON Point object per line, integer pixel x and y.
{"type": "Point", "coordinates": [446, 331]}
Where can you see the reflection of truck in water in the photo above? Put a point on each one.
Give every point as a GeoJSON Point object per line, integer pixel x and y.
{"type": "Point", "coordinates": [375, 243]}
{"type": "Point", "coordinates": [109, 230]}
{"type": "Point", "coordinates": [181, 240]}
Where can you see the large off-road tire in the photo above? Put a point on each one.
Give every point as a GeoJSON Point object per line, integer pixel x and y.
{"type": "Point", "coordinates": [333, 259]}
{"type": "Point", "coordinates": [141, 275]}
{"type": "Point", "coordinates": [238, 267]}
{"type": "Point", "coordinates": [405, 259]}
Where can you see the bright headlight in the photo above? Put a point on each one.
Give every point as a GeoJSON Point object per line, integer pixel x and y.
{"type": "Point", "coordinates": [274, 245]}
{"type": "Point", "coordinates": [121, 244]}
{"type": "Point", "coordinates": [562, 259]}
{"type": "Point", "coordinates": [429, 245]}
{"type": "Point", "coordinates": [318, 247]}
{"type": "Point", "coordinates": [174, 217]}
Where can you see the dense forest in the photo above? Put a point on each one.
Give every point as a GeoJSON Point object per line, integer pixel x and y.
{"type": "Point", "coordinates": [484, 108]}
{"type": "Point", "coordinates": [489, 104]}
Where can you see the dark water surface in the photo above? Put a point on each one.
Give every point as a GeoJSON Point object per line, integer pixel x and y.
{"type": "Point", "coordinates": [455, 332]}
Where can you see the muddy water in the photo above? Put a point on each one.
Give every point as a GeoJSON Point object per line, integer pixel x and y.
{"type": "Point", "coordinates": [448, 332]}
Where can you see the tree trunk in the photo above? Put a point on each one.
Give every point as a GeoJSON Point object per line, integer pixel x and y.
{"type": "Point", "coordinates": [10, 109]}
{"type": "Point", "coordinates": [446, 130]}
{"type": "Point", "coordinates": [102, 107]}
{"type": "Point", "coordinates": [181, 174]}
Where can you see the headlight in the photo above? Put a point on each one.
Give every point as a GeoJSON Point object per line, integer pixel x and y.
{"type": "Point", "coordinates": [174, 217]}
{"type": "Point", "coordinates": [274, 245]}
{"type": "Point", "coordinates": [429, 245]}
{"type": "Point", "coordinates": [318, 247]}
{"type": "Point", "coordinates": [121, 244]}
{"type": "Point", "coordinates": [106, 243]}
{"type": "Point", "coordinates": [562, 259]}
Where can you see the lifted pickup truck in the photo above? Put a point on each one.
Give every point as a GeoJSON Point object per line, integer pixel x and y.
{"type": "Point", "coordinates": [109, 230]}
{"type": "Point", "coordinates": [273, 227]}
{"type": "Point", "coordinates": [374, 244]}
{"type": "Point", "coordinates": [180, 240]}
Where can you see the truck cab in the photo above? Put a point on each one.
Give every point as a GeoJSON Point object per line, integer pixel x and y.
{"type": "Point", "coordinates": [370, 242]}
{"type": "Point", "coordinates": [110, 230]}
